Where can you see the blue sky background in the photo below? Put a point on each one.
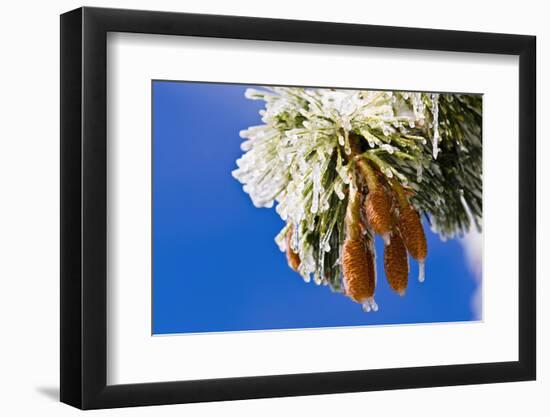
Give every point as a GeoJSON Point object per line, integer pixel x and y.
{"type": "Point", "coordinates": [216, 266]}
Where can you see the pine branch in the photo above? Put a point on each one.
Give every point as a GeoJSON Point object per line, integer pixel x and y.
{"type": "Point", "coordinates": [304, 155]}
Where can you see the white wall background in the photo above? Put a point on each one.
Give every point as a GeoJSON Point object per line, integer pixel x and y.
{"type": "Point", "coordinates": [29, 209]}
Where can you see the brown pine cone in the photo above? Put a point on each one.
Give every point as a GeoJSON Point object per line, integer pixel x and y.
{"type": "Point", "coordinates": [292, 257]}
{"type": "Point", "coordinates": [412, 232]}
{"type": "Point", "coordinates": [396, 264]}
{"type": "Point", "coordinates": [377, 211]}
{"type": "Point", "coordinates": [358, 270]}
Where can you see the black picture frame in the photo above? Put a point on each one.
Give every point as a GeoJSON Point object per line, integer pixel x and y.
{"type": "Point", "coordinates": [84, 207]}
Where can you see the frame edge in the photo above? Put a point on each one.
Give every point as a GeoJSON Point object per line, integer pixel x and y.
{"type": "Point", "coordinates": [70, 202]}
{"type": "Point", "coordinates": [528, 207]}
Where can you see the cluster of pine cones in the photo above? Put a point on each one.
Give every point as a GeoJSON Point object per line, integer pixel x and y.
{"type": "Point", "coordinates": [376, 205]}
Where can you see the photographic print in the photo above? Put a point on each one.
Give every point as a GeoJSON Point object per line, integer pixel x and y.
{"type": "Point", "coordinates": [291, 207]}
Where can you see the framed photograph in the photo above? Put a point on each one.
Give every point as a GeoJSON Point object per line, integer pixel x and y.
{"type": "Point", "coordinates": [259, 208]}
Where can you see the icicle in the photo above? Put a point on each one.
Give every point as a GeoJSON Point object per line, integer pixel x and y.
{"type": "Point", "coordinates": [341, 140]}
{"type": "Point", "coordinates": [435, 114]}
{"type": "Point", "coordinates": [317, 278]}
{"type": "Point", "coordinates": [419, 171]}
{"type": "Point", "coordinates": [294, 238]}
{"type": "Point", "coordinates": [346, 124]}
{"type": "Point", "coordinates": [369, 305]}
{"type": "Point", "coordinates": [421, 271]}
{"type": "Point", "coordinates": [281, 240]}
{"type": "Point", "coordinates": [370, 141]}
{"type": "Point", "coordinates": [418, 107]}
{"type": "Point", "coordinates": [302, 164]}
{"type": "Point", "coordinates": [347, 146]}
{"type": "Point", "coordinates": [338, 190]}
{"type": "Point", "coordinates": [316, 178]}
